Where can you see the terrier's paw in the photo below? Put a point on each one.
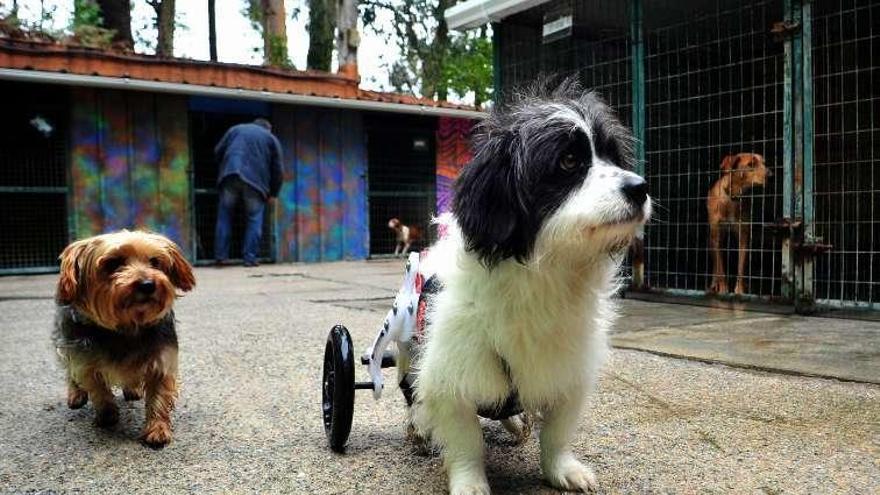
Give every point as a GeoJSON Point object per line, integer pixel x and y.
{"type": "Point", "coordinates": [156, 435]}
{"type": "Point", "coordinates": [107, 416]}
{"type": "Point", "coordinates": [77, 398]}
{"type": "Point", "coordinates": [740, 288]}
{"type": "Point", "coordinates": [131, 394]}
{"type": "Point", "coordinates": [572, 475]}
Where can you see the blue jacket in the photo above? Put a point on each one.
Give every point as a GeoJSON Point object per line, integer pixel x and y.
{"type": "Point", "coordinates": [254, 154]}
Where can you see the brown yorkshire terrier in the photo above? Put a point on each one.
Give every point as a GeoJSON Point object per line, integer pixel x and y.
{"type": "Point", "coordinates": [115, 326]}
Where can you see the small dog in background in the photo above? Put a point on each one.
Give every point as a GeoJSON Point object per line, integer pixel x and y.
{"type": "Point", "coordinates": [405, 236]}
{"type": "Point", "coordinates": [739, 173]}
{"type": "Point", "coordinates": [115, 325]}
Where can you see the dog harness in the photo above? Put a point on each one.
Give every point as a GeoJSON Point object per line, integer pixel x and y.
{"type": "Point", "coordinates": [406, 322]}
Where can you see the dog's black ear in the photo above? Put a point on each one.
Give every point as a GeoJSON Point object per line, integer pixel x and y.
{"type": "Point", "coordinates": [488, 208]}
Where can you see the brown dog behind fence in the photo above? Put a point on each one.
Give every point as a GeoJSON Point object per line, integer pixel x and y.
{"type": "Point", "coordinates": [739, 173]}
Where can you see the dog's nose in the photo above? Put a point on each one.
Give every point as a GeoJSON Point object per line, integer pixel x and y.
{"type": "Point", "coordinates": [146, 286]}
{"type": "Point", "coordinates": [636, 191]}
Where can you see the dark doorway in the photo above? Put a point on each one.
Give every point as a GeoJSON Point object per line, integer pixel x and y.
{"type": "Point", "coordinates": [402, 159]}
{"type": "Point", "coordinates": [209, 119]}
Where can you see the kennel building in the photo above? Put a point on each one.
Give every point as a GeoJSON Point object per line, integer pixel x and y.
{"type": "Point", "coordinates": [795, 81]}
{"type": "Point", "coordinates": [96, 141]}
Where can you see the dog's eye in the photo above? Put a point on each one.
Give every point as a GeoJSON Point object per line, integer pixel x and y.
{"type": "Point", "coordinates": [155, 262]}
{"type": "Point", "coordinates": [113, 264]}
{"type": "Point", "coordinates": [569, 162]}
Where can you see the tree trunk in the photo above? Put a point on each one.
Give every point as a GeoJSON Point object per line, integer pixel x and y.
{"type": "Point", "coordinates": [116, 15]}
{"type": "Point", "coordinates": [441, 48]}
{"type": "Point", "coordinates": [274, 33]}
{"type": "Point", "coordinates": [347, 36]}
{"type": "Point", "coordinates": [165, 26]}
{"type": "Point", "coordinates": [212, 30]}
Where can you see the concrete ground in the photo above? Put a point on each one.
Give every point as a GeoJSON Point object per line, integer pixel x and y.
{"type": "Point", "coordinates": [248, 419]}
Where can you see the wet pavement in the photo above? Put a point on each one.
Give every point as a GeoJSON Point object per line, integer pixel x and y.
{"type": "Point", "coordinates": [816, 346]}
{"type": "Point", "coordinates": [248, 419]}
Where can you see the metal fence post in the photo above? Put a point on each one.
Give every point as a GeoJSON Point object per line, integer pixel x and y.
{"type": "Point", "coordinates": [788, 165]}
{"type": "Point", "coordinates": [637, 58]}
{"type": "Point", "coordinates": [805, 301]}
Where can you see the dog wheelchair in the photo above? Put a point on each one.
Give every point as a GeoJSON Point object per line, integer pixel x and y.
{"type": "Point", "coordinates": [404, 324]}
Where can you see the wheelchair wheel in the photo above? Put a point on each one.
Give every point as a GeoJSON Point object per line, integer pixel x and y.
{"type": "Point", "coordinates": [338, 387]}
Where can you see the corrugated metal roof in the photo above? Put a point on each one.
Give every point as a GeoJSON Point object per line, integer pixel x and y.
{"type": "Point", "coordinates": [75, 65]}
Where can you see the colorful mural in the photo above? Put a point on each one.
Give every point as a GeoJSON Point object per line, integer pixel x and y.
{"type": "Point", "coordinates": [321, 213]}
{"type": "Point", "coordinates": [130, 159]}
{"type": "Point", "coordinates": [453, 153]}
{"type": "Point", "coordinates": [355, 216]}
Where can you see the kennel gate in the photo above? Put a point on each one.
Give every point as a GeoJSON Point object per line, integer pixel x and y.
{"type": "Point", "coordinates": [698, 80]}
{"type": "Point", "coordinates": [33, 178]}
{"type": "Point", "coordinates": [401, 157]}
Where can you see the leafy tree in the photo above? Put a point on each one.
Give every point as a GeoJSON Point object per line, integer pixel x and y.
{"type": "Point", "coordinates": [468, 66]}
{"type": "Point", "coordinates": [87, 25]}
{"type": "Point", "coordinates": [322, 23]}
{"type": "Point", "coordinates": [432, 60]}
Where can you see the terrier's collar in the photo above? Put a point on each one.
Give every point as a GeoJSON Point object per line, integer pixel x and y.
{"type": "Point", "coordinates": [80, 318]}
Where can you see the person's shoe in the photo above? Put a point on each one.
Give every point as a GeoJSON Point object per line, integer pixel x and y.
{"type": "Point", "coordinates": [220, 263]}
{"type": "Point", "coordinates": [251, 264]}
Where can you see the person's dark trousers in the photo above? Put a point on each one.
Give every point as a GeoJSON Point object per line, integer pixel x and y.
{"type": "Point", "coordinates": [233, 189]}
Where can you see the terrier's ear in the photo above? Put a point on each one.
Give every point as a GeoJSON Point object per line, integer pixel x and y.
{"type": "Point", "coordinates": [181, 271]}
{"type": "Point", "coordinates": [70, 278]}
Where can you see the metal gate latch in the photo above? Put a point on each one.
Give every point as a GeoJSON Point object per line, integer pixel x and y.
{"type": "Point", "coordinates": [811, 246]}
{"type": "Point", "coordinates": [783, 29]}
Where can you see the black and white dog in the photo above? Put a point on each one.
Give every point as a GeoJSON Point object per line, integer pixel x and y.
{"type": "Point", "coordinates": [527, 268]}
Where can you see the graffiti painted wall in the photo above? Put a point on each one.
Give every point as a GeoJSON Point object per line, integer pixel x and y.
{"type": "Point", "coordinates": [321, 213]}
{"type": "Point", "coordinates": [129, 164]}
{"type": "Point", "coordinates": [453, 152]}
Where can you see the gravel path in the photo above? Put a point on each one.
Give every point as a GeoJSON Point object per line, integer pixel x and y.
{"type": "Point", "coordinates": [248, 418]}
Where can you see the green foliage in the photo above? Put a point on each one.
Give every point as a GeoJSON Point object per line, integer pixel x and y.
{"type": "Point", "coordinates": [10, 26]}
{"type": "Point", "coordinates": [87, 25]}
{"type": "Point", "coordinates": [277, 56]}
{"type": "Point", "coordinates": [86, 13]}
{"type": "Point", "coordinates": [468, 66]}
{"type": "Point", "coordinates": [431, 60]}
{"type": "Point", "coordinates": [322, 22]}
{"type": "Point", "coordinates": [254, 12]}
{"type": "Point", "coordinates": [94, 36]}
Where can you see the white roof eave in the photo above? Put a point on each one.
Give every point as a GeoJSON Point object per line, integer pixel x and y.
{"type": "Point", "coordinates": [475, 13]}
{"type": "Point", "coordinates": [48, 77]}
